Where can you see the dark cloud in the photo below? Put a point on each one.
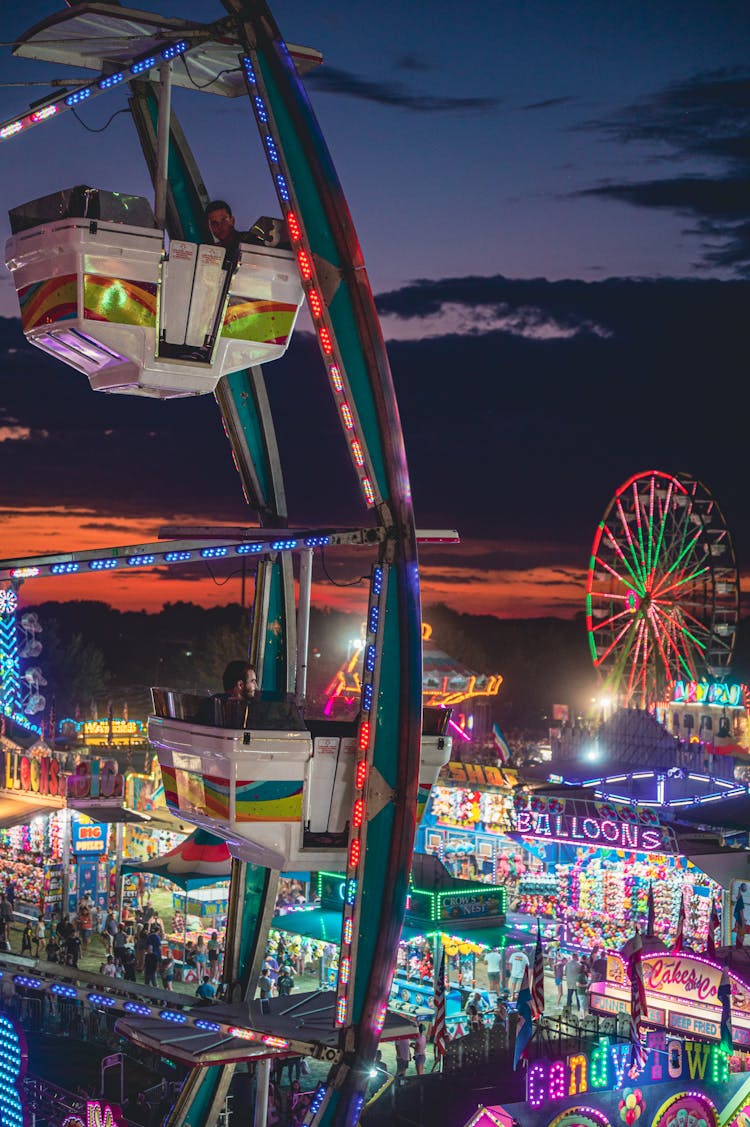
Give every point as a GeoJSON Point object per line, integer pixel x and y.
{"type": "Point", "coordinates": [548, 103]}
{"type": "Point", "coordinates": [413, 62]}
{"type": "Point", "coordinates": [333, 80]}
{"type": "Point", "coordinates": [515, 441]}
{"type": "Point", "coordinates": [705, 120]}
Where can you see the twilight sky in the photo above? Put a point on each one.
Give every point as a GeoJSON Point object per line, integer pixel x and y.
{"type": "Point", "coordinates": [553, 202]}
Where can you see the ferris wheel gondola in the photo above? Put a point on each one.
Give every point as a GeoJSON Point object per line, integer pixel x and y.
{"type": "Point", "coordinates": [662, 599]}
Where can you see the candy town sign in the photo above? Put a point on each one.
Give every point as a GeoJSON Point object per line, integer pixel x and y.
{"type": "Point", "coordinates": [98, 1114]}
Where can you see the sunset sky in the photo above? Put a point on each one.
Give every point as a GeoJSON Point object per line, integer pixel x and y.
{"type": "Point", "coordinates": [553, 205]}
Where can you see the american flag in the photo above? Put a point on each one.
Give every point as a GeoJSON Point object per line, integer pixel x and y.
{"type": "Point", "coordinates": [631, 953]}
{"type": "Point", "coordinates": [650, 910]}
{"type": "Point", "coordinates": [679, 938]}
{"type": "Point", "coordinates": [525, 1027]}
{"type": "Point", "coordinates": [724, 993]}
{"type": "Point", "coordinates": [714, 921]}
{"type": "Point", "coordinates": [439, 1030]}
{"type": "Point", "coordinates": [537, 977]}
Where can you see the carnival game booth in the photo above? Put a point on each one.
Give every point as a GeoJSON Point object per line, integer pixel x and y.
{"type": "Point", "coordinates": [443, 914]}
{"type": "Point", "coordinates": [581, 865]}
{"type": "Point", "coordinates": [55, 838]}
{"type": "Point", "coordinates": [200, 866]}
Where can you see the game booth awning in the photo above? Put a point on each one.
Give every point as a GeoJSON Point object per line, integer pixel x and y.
{"type": "Point", "coordinates": [201, 859]}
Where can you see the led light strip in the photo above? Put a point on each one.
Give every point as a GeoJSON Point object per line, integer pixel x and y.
{"type": "Point", "coordinates": [358, 820]}
{"type": "Point", "coordinates": [55, 106]}
{"type": "Point", "coordinates": [138, 1009]}
{"type": "Point", "coordinates": [157, 555]}
{"type": "Point", "coordinates": [313, 289]}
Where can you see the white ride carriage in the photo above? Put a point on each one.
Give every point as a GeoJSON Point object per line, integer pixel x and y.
{"type": "Point", "coordinates": [280, 795]}
{"type": "Point", "coordinates": [100, 288]}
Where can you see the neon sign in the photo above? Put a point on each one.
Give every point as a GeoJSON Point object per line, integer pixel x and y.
{"type": "Point", "coordinates": [95, 779]}
{"type": "Point", "coordinates": [594, 831]}
{"type": "Point", "coordinates": [707, 692]}
{"type": "Point", "coordinates": [606, 1066]}
{"type": "Point", "coordinates": [31, 775]}
{"type": "Point", "coordinates": [98, 1114]}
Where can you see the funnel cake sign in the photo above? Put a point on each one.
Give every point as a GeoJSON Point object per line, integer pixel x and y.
{"type": "Point", "coordinates": [688, 978]}
{"type": "Point", "coordinates": [682, 995]}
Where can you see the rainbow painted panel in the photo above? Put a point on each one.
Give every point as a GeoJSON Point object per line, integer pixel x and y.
{"type": "Point", "coordinates": [44, 303]}
{"type": "Point", "coordinates": [119, 301]}
{"type": "Point", "coordinates": [266, 322]}
{"type": "Point", "coordinates": [216, 793]}
{"type": "Point", "coordinates": [269, 802]}
{"type": "Point", "coordinates": [422, 795]}
{"type": "Point", "coordinates": [170, 785]}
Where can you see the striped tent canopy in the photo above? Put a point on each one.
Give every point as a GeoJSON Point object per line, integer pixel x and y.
{"type": "Point", "coordinates": [200, 860]}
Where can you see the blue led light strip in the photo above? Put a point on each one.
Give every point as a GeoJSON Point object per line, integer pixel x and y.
{"type": "Point", "coordinates": [313, 288]}
{"type": "Point", "coordinates": [141, 65]}
{"type": "Point", "coordinates": [166, 552]}
{"type": "Point", "coordinates": [358, 825]}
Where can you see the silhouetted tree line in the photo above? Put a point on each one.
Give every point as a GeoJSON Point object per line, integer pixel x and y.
{"type": "Point", "coordinates": [94, 652]}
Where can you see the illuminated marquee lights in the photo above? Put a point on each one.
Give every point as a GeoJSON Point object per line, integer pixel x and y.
{"type": "Point", "coordinates": [283, 545]}
{"type": "Point", "coordinates": [317, 541]}
{"type": "Point", "coordinates": [13, 1058]}
{"type": "Point", "coordinates": [358, 813]}
{"type": "Point", "coordinates": [78, 97]}
{"type": "Point", "coordinates": [317, 1100]}
{"type": "Point", "coordinates": [281, 187]}
{"type": "Point", "coordinates": [243, 1034]}
{"type": "Point", "coordinates": [102, 1000]}
{"type": "Point", "coordinates": [65, 569]}
{"type": "Point", "coordinates": [248, 549]}
{"type": "Point", "coordinates": [364, 735]}
{"type": "Point", "coordinates": [24, 572]}
{"type": "Point", "coordinates": [341, 1009]}
{"type": "Point", "coordinates": [42, 115]}
{"type": "Point", "coordinates": [30, 983]}
{"type": "Point", "coordinates": [275, 1042]}
{"type": "Point", "coordinates": [351, 896]}
{"type": "Point", "coordinates": [144, 65]}
{"type": "Point", "coordinates": [63, 991]}
{"type": "Point", "coordinates": [174, 1016]}
{"type": "Point", "coordinates": [348, 931]}
{"type": "Point", "coordinates": [111, 80]}
{"type": "Point", "coordinates": [178, 557]}
{"type": "Point", "coordinates": [102, 565]}
{"type": "Point", "coordinates": [361, 775]}
{"type": "Point", "coordinates": [207, 1026]}
{"type": "Point", "coordinates": [213, 553]}
{"type": "Point", "coordinates": [101, 84]}
{"type": "Point", "coordinates": [344, 969]}
{"type": "Point", "coordinates": [605, 1066]}
{"type": "Point", "coordinates": [139, 561]}
{"type": "Point", "coordinates": [138, 1009]}
{"type": "Point", "coordinates": [175, 50]}
{"type": "Point", "coordinates": [355, 852]}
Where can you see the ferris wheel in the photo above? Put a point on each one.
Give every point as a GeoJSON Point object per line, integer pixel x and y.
{"type": "Point", "coordinates": [662, 598]}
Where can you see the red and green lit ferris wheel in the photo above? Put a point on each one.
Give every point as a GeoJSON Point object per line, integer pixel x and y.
{"type": "Point", "coordinates": [662, 599]}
